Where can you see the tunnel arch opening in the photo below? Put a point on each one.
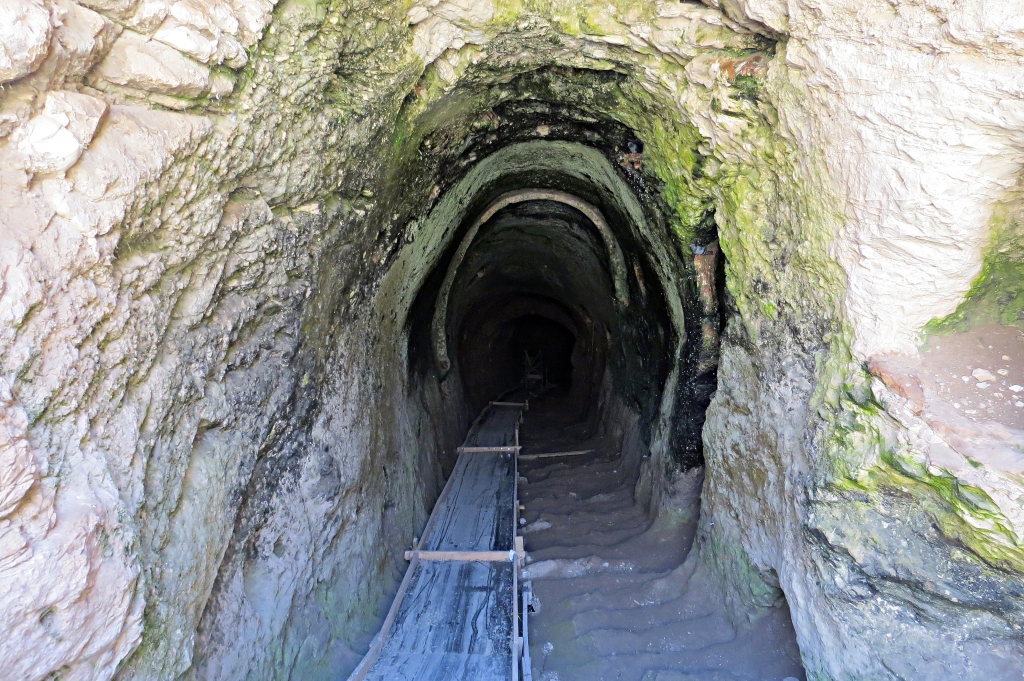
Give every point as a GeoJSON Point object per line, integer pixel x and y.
{"type": "Point", "coordinates": [535, 258]}
{"type": "Point", "coordinates": [643, 363]}
{"type": "Point", "coordinates": [639, 326]}
{"type": "Point", "coordinates": [524, 264]}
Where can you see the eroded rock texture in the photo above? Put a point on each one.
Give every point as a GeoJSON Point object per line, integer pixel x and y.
{"type": "Point", "coordinates": [223, 417]}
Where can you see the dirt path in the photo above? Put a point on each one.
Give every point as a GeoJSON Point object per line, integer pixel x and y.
{"type": "Point", "coordinates": [614, 602]}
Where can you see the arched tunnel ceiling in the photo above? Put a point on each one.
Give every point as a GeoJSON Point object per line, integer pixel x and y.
{"type": "Point", "coordinates": [573, 170]}
{"type": "Point", "coordinates": [538, 257]}
{"type": "Point", "coordinates": [611, 245]}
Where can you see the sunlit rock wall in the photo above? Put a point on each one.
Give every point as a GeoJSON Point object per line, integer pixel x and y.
{"type": "Point", "coordinates": [211, 456]}
{"type": "Point", "coordinates": [897, 542]}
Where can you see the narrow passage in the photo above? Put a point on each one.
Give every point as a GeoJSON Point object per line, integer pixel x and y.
{"type": "Point", "coordinates": [612, 596]}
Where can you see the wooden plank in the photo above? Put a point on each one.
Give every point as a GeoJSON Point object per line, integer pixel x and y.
{"type": "Point", "coordinates": [456, 615]}
{"type": "Point", "coordinates": [455, 623]}
{"type": "Point", "coordinates": [551, 455]}
{"type": "Point", "coordinates": [446, 666]}
{"type": "Point", "coordinates": [494, 428]}
{"type": "Point", "coordinates": [477, 515]}
{"type": "Point", "coordinates": [485, 556]}
{"type": "Point", "coordinates": [527, 600]}
{"type": "Point", "coordinates": [508, 404]}
{"type": "Point", "coordinates": [377, 644]}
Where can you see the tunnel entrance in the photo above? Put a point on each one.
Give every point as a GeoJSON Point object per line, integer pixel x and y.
{"type": "Point", "coordinates": [558, 286]}
{"type": "Point", "coordinates": [562, 231]}
{"type": "Point", "coordinates": [532, 302]}
{"type": "Point", "coordinates": [532, 353]}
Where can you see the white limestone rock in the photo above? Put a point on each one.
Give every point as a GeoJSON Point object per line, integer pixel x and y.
{"type": "Point", "coordinates": [441, 25]}
{"type": "Point", "coordinates": [47, 145]}
{"type": "Point", "coordinates": [84, 37]}
{"type": "Point", "coordinates": [983, 375]}
{"type": "Point", "coordinates": [683, 29]}
{"type": "Point", "coordinates": [25, 30]}
{"type": "Point", "coordinates": [118, 8]}
{"type": "Point", "coordinates": [204, 31]}
{"type": "Point", "coordinates": [253, 17]}
{"type": "Point", "coordinates": [142, 63]}
{"type": "Point", "coordinates": [69, 572]}
{"type": "Point", "coordinates": [53, 141]}
{"type": "Point", "coordinates": [771, 16]}
{"type": "Point", "coordinates": [921, 138]}
{"type": "Point", "coordinates": [19, 469]}
{"type": "Point", "coordinates": [75, 606]}
{"type": "Point", "coordinates": [190, 24]}
{"type": "Point", "coordinates": [80, 114]}
{"type": "Point", "coordinates": [987, 24]}
{"type": "Point", "coordinates": [148, 15]}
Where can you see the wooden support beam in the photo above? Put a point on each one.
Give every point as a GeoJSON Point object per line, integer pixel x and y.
{"type": "Point", "coordinates": [479, 556]}
{"type": "Point", "coordinates": [550, 455]}
{"type": "Point", "coordinates": [508, 404]}
{"type": "Point", "coordinates": [527, 600]}
{"type": "Point", "coordinates": [482, 450]}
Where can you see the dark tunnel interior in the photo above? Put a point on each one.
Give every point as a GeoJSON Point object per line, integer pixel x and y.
{"type": "Point", "coordinates": [583, 274]}
{"type": "Point", "coordinates": [545, 349]}
{"type": "Point", "coordinates": [534, 310]}
{"type": "Point", "coordinates": [533, 305]}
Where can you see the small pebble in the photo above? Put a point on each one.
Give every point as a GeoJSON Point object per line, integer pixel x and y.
{"type": "Point", "coordinates": [1016, 388]}
{"type": "Point", "coordinates": [1019, 404]}
{"type": "Point", "coordinates": [1006, 358]}
{"type": "Point", "coordinates": [983, 375]}
{"type": "Point", "coordinates": [1003, 372]}
{"type": "Point", "coordinates": [982, 385]}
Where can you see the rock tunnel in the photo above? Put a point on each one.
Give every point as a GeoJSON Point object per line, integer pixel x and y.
{"type": "Point", "coordinates": [264, 262]}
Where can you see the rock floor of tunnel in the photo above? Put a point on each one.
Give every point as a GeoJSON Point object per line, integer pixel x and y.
{"type": "Point", "coordinates": [615, 599]}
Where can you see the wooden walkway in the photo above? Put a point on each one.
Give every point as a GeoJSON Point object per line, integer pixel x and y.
{"type": "Point", "coordinates": [459, 613]}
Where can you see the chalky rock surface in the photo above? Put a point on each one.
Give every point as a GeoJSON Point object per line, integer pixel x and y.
{"type": "Point", "coordinates": [217, 434]}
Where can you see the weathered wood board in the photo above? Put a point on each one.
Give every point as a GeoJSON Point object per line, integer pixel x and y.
{"type": "Point", "coordinates": [454, 623]}
{"type": "Point", "coordinates": [476, 514]}
{"type": "Point", "coordinates": [455, 619]}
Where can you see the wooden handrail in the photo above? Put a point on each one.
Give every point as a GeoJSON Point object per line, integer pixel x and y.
{"type": "Point", "coordinates": [466, 556]}
{"type": "Point", "coordinates": [551, 455]}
